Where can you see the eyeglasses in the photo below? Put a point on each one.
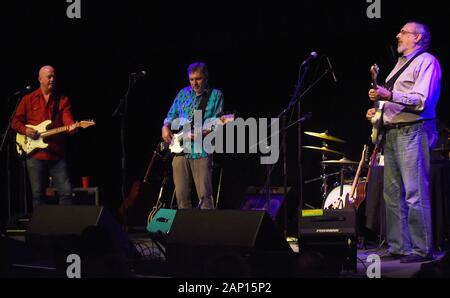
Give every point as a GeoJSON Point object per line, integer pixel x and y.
{"type": "Point", "coordinates": [403, 32]}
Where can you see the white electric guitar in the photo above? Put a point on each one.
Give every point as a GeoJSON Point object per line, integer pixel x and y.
{"type": "Point", "coordinates": [176, 145]}
{"type": "Point", "coordinates": [28, 145]}
{"type": "Point", "coordinates": [377, 120]}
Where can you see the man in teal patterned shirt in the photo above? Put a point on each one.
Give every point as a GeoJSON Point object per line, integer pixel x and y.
{"type": "Point", "coordinates": [197, 165]}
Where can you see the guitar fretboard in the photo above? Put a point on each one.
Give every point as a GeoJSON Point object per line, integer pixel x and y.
{"type": "Point", "coordinates": [55, 131]}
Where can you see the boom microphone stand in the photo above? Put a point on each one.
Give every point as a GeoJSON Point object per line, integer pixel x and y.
{"type": "Point", "coordinates": [5, 135]}
{"type": "Point", "coordinates": [122, 111]}
{"type": "Point", "coordinates": [302, 74]}
{"type": "Point", "coordinates": [296, 99]}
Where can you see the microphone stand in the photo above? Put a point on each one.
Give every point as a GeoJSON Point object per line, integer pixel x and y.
{"type": "Point", "coordinates": [121, 110]}
{"type": "Point", "coordinates": [295, 99]}
{"type": "Point", "coordinates": [284, 128]}
{"type": "Point", "coordinates": [8, 165]}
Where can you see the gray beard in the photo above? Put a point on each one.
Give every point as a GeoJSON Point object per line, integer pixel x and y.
{"type": "Point", "coordinates": [400, 49]}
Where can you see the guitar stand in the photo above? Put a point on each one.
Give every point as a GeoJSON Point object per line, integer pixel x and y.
{"type": "Point", "coordinates": [216, 205]}
{"type": "Point", "coordinates": [158, 239]}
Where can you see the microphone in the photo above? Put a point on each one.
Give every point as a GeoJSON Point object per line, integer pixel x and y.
{"type": "Point", "coordinates": [306, 117]}
{"type": "Point", "coordinates": [312, 56]}
{"type": "Point", "coordinates": [139, 74]}
{"type": "Point", "coordinates": [22, 91]}
{"type": "Point", "coordinates": [331, 69]}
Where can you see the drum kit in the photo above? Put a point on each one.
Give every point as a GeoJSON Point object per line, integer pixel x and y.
{"type": "Point", "coordinates": [338, 191]}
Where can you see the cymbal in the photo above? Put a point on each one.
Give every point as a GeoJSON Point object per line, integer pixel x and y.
{"type": "Point", "coordinates": [325, 136]}
{"type": "Point", "coordinates": [323, 149]}
{"type": "Point", "coordinates": [341, 162]}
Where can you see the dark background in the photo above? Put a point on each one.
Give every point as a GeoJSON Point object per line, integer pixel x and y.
{"type": "Point", "coordinates": [253, 51]}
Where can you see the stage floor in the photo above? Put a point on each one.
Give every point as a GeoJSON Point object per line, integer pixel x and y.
{"type": "Point", "coordinates": [153, 263]}
{"type": "Point", "coordinates": [388, 268]}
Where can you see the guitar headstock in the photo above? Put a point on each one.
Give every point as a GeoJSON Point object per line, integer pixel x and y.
{"type": "Point", "coordinates": [374, 71]}
{"type": "Point", "coordinates": [367, 155]}
{"type": "Point", "coordinates": [363, 155]}
{"type": "Point", "coordinates": [86, 123]}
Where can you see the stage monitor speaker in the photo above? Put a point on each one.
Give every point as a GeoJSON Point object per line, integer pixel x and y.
{"type": "Point", "coordinates": [162, 221]}
{"type": "Point", "coordinates": [200, 236]}
{"type": "Point", "coordinates": [331, 233]}
{"type": "Point", "coordinates": [52, 222]}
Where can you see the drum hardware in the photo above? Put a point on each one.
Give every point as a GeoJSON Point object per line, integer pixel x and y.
{"type": "Point", "coordinates": [343, 162]}
{"type": "Point", "coordinates": [441, 149]}
{"type": "Point", "coordinates": [324, 186]}
{"type": "Point", "coordinates": [324, 150]}
{"type": "Point", "coordinates": [321, 177]}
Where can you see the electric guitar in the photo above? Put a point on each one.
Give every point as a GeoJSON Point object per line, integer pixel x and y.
{"type": "Point", "coordinates": [377, 120]}
{"type": "Point", "coordinates": [27, 145]}
{"type": "Point", "coordinates": [176, 145]}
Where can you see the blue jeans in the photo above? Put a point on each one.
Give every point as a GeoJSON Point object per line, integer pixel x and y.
{"type": "Point", "coordinates": [406, 188]}
{"type": "Point", "coordinates": [39, 172]}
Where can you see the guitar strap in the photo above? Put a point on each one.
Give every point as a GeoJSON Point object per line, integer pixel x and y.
{"type": "Point", "coordinates": [204, 100]}
{"type": "Point", "coordinates": [55, 108]}
{"type": "Point", "coordinates": [390, 84]}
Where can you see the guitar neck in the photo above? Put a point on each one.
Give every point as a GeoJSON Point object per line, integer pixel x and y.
{"type": "Point", "coordinates": [358, 173]}
{"type": "Point", "coordinates": [374, 83]}
{"type": "Point", "coordinates": [150, 166]}
{"type": "Point", "coordinates": [372, 162]}
{"type": "Point", "coordinates": [373, 75]}
{"type": "Point", "coordinates": [55, 131]}
{"type": "Point", "coordinates": [355, 181]}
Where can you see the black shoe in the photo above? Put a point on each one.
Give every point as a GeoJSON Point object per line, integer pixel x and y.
{"type": "Point", "coordinates": [416, 259]}
{"type": "Point", "coordinates": [386, 255]}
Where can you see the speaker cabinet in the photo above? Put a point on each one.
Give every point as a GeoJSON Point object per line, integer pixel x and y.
{"type": "Point", "coordinates": [199, 237]}
{"type": "Point", "coordinates": [50, 223]}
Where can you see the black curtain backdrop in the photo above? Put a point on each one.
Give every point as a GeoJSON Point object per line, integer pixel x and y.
{"type": "Point", "coordinates": [253, 51]}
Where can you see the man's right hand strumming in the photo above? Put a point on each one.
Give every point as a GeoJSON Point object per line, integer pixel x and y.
{"type": "Point", "coordinates": [370, 113]}
{"type": "Point", "coordinates": [166, 134]}
{"type": "Point", "coordinates": [32, 133]}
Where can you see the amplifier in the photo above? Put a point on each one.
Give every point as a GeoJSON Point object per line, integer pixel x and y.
{"type": "Point", "coordinates": [332, 233]}
{"type": "Point", "coordinates": [328, 222]}
{"type": "Point", "coordinates": [85, 196]}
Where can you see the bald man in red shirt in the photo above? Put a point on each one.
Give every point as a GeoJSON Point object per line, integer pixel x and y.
{"type": "Point", "coordinates": [33, 109]}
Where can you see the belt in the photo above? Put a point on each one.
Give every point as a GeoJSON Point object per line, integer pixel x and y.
{"type": "Point", "coordinates": [402, 124]}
